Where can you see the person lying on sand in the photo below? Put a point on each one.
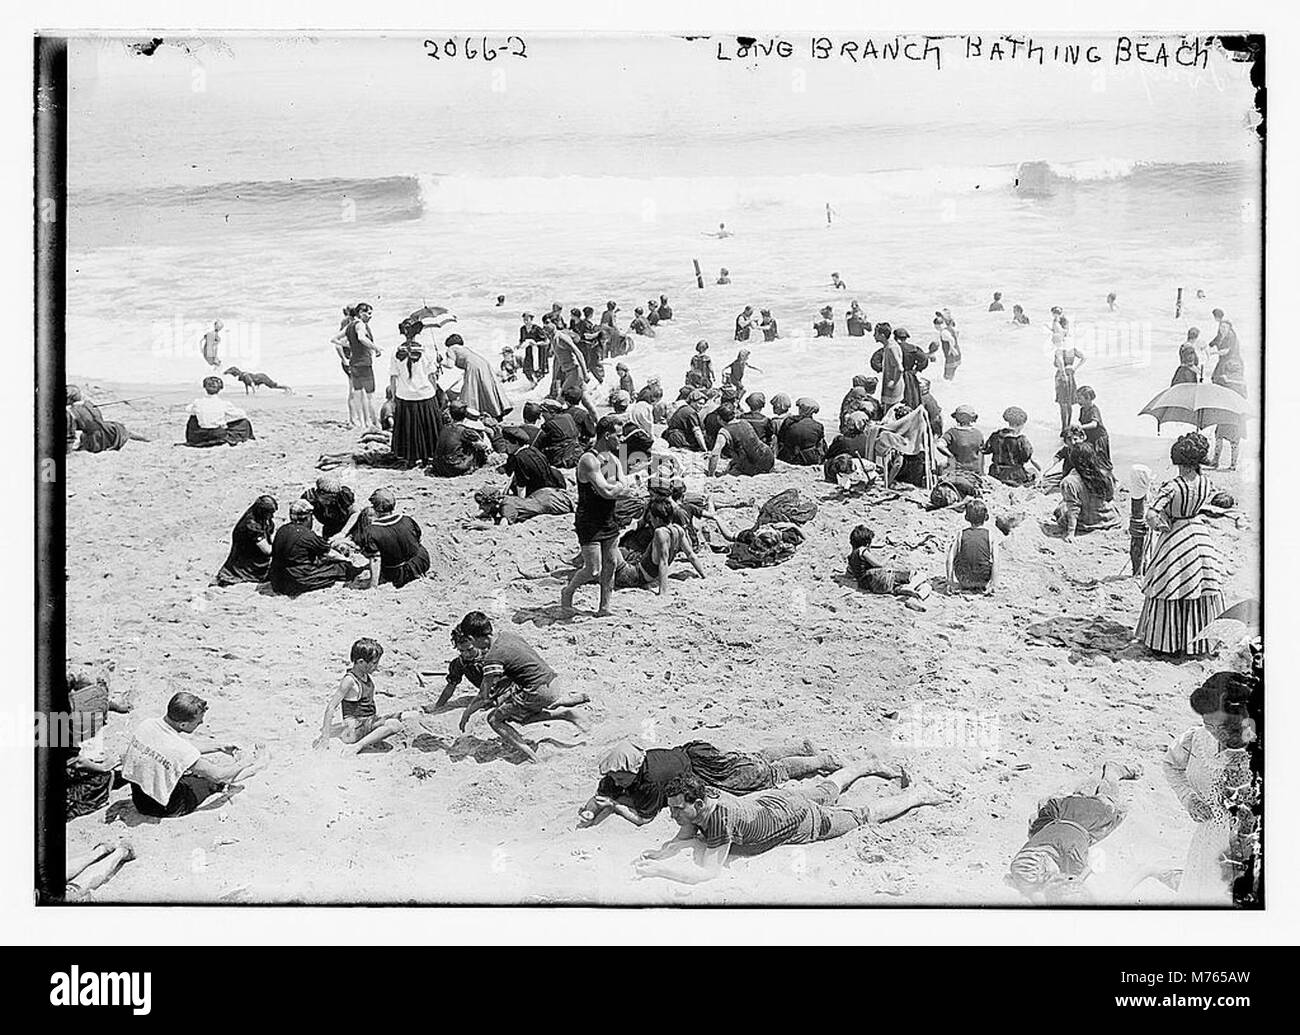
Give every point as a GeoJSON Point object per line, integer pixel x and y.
{"type": "Point", "coordinates": [634, 778]}
{"type": "Point", "coordinates": [172, 772]}
{"type": "Point", "coordinates": [362, 724]}
{"type": "Point", "coordinates": [712, 822]}
{"type": "Point", "coordinates": [1056, 860]}
{"type": "Point", "coordinates": [515, 685]}
{"type": "Point", "coordinates": [94, 868]}
{"type": "Point", "coordinates": [252, 382]}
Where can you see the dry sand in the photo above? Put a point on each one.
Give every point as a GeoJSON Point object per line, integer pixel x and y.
{"type": "Point", "coordinates": [745, 658]}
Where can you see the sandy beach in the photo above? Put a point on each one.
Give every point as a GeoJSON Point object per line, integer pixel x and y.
{"type": "Point", "coordinates": [978, 693]}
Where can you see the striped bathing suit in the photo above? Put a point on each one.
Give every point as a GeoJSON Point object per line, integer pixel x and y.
{"type": "Point", "coordinates": [1183, 589]}
{"type": "Point", "coordinates": [770, 818]}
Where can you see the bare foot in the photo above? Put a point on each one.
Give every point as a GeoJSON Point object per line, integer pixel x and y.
{"type": "Point", "coordinates": [927, 795]}
{"type": "Point", "coordinates": [127, 849]}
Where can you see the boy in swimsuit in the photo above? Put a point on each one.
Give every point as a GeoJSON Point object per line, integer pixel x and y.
{"type": "Point", "coordinates": [362, 726]}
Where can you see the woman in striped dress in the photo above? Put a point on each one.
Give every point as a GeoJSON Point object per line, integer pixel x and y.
{"type": "Point", "coordinates": [1183, 588]}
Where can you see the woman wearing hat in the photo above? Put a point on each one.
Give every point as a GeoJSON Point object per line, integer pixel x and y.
{"type": "Point", "coordinates": [334, 505]}
{"type": "Point", "coordinates": [1206, 767]}
{"type": "Point", "coordinates": [964, 444]}
{"type": "Point", "coordinates": [391, 542]}
{"type": "Point", "coordinates": [802, 439]}
{"type": "Point", "coordinates": [87, 429]}
{"type": "Point", "coordinates": [213, 421]}
{"type": "Point", "coordinates": [738, 440]}
{"type": "Point", "coordinates": [479, 389]}
{"type": "Point", "coordinates": [301, 561]}
{"type": "Point", "coordinates": [914, 360]}
{"type": "Point", "coordinates": [1010, 450]}
{"type": "Point", "coordinates": [1183, 586]}
{"type": "Point", "coordinates": [417, 408]}
{"type": "Point", "coordinates": [249, 559]}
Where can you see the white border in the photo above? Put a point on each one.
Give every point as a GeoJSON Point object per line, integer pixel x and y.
{"type": "Point", "coordinates": [21, 923]}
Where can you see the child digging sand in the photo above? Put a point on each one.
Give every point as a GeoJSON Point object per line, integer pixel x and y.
{"type": "Point", "coordinates": [362, 726]}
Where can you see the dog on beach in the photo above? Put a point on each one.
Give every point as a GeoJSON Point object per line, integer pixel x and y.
{"type": "Point", "coordinates": [252, 382]}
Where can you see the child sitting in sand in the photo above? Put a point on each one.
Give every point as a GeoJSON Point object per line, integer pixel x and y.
{"type": "Point", "coordinates": [875, 577]}
{"type": "Point", "coordinates": [509, 365]}
{"type": "Point", "coordinates": [973, 555]}
{"type": "Point", "coordinates": [362, 726]}
{"type": "Point", "coordinates": [1011, 450]}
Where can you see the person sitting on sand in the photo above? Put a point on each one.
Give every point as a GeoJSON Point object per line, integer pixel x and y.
{"type": "Point", "coordinates": [712, 421]}
{"type": "Point", "coordinates": [87, 429]}
{"type": "Point", "coordinates": [600, 485]}
{"type": "Point", "coordinates": [387, 413]}
{"type": "Point", "coordinates": [1018, 316]}
{"type": "Point", "coordinates": [824, 325]}
{"type": "Point", "coordinates": [633, 778]}
{"type": "Point", "coordinates": [363, 726]}
{"type": "Point", "coordinates": [171, 772]}
{"type": "Point", "coordinates": [1010, 450]}
{"type": "Point", "coordinates": [462, 446]}
{"type": "Point", "coordinates": [249, 559]}
{"type": "Point", "coordinates": [648, 568]}
{"type": "Point", "coordinates": [767, 324]}
{"type": "Point", "coordinates": [685, 429]}
{"type": "Point", "coordinates": [301, 561]}
{"type": "Point", "coordinates": [963, 445]}
{"type": "Point", "coordinates": [641, 413]}
{"type": "Point", "coordinates": [558, 439]}
{"type": "Point", "coordinates": [213, 421]}
{"type": "Point", "coordinates": [1056, 860]}
{"type": "Point", "coordinates": [88, 766]}
{"type": "Point", "coordinates": [510, 368]}
{"type": "Point", "coordinates": [996, 305]}
{"type": "Point", "coordinates": [876, 577]}
{"type": "Point", "coordinates": [739, 441]}
{"type": "Point", "coordinates": [1087, 493]}
{"type": "Point", "coordinates": [1052, 477]}
{"type": "Point", "coordinates": [973, 559]}
{"type": "Point", "coordinates": [92, 869]}
{"type": "Point", "coordinates": [516, 686]}
{"type": "Point", "coordinates": [529, 469]}
{"type": "Point", "coordinates": [583, 419]}
{"type": "Point", "coordinates": [768, 819]}
{"type": "Point", "coordinates": [335, 508]}
{"type": "Point", "coordinates": [762, 423]}
{"type": "Point", "coordinates": [391, 543]}
{"type": "Point", "coordinates": [802, 438]}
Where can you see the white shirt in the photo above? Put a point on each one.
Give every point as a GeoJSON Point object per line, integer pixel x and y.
{"type": "Point", "coordinates": [642, 415]}
{"type": "Point", "coordinates": [214, 412]}
{"type": "Point", "coordinates": [156, 759]}
{"type": "Point", "coordinates": [420, 382]}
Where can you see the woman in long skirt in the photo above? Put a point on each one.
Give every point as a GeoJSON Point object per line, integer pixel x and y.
{"type": "Point", "coordinates": [479, 389]}
{"type": "Point", "coordinates": [417, 416]}
{"type": "Point", "coordinates": [1183, 587]}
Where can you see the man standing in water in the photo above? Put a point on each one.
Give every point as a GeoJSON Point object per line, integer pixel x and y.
{"type": "Point", "coordinates": [211, 346]}
{"type": "Point", "coordinates": [595, 521]}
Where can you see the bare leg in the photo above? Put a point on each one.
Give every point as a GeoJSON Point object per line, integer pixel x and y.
{"type": "Point", "coordinates": [382, 731]}
{"type": "Point", "coordinates": [79, 862]}
{"type": "Point", "coordinates": [776, 752]}
{"type": "Point", "coordinates": [99, 873]}
{"type": "Point", "coordinates": [800, 767]}
{"type": "Point", "coordinates": [1218, 451]}
{"type": "Point", "coordinates": [1236, 447]}
{"type": "Point", "coordinates": [884, 809]}
{"type": "Point", "coordinates": [589, 572]}
{"type": "Point", "coordinates": [608, 562]}
{"type": "Point", "coordinates": [507, 733]}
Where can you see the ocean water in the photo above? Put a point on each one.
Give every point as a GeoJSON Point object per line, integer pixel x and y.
{"type": "Point", "coordinates": [268, 183]}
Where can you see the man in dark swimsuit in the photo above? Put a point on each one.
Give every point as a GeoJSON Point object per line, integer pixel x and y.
{"type": "Point", "coordinates": [595, 521]}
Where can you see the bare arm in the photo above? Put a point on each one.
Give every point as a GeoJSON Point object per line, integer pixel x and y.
{"type": "Point", "coordinates": [596, 479]}
{"type": "Point", "coordinates": [335, 700]}
{"type": "Point", "coordinates": [705, 866]}
{"type": "Point", "coordinates": [723, 440]}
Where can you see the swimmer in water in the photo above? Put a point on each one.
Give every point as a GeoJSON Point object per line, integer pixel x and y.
{"type": "Point", "coordinates": [1110, 301]}
{"type": "Point", "coordinates": [721, 232]}
{"type": "Point", "coordinates": [996, 305]}
{"type": "Point", "coordinates": [837, 283]}
{"type": "Point", "coordinates": [501, 299]}
{"type": "Point", "coordinates": [724, 276]}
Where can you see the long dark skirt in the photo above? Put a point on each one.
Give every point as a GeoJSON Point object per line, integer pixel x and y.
{"type": "Point", "coordinates": [416, 424]}
{"type": "Point", "coordinates": [232, 434]}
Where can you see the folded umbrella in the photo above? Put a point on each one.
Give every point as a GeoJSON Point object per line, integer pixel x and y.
{"type": "Point", "coordinates": [1200, 404]}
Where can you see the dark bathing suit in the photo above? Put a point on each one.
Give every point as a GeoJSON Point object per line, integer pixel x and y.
{"type": "Point", "coordinates": [595, 520]}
